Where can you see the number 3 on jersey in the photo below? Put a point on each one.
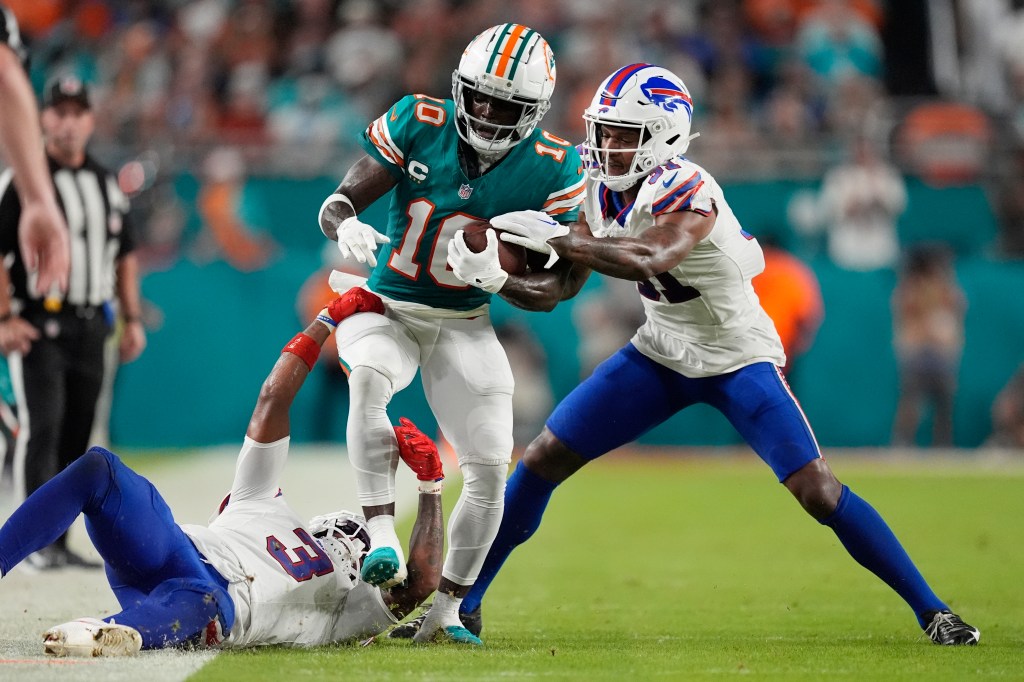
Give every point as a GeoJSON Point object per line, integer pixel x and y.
{"type": "Point", "coordinates": [306, 565]}
{"type": "Point", "coordinates": [403, 259]}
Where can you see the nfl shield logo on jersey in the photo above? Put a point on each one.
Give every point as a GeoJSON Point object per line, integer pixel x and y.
{"type": "Point", "coordinates": [465, 191]}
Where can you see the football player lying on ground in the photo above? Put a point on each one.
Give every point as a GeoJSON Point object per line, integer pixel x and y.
{"type": "Point", "coordinates": [257, 574]}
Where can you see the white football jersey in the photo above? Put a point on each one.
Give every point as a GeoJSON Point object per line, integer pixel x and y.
{"type": "Point", "coordinates": [284, 585]}
{"type": "Point", "coordinates": [703, 317]}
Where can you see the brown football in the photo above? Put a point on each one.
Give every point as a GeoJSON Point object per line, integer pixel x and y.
{"type": "Point", "coordinates": [511, 256]}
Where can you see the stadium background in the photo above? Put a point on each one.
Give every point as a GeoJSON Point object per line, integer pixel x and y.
{"type": "Point", "coordinates": [232, 119]}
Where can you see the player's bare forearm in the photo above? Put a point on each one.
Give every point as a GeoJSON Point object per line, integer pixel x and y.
{"type": "Point", "coordinates": [365, 182]}
{"type": "Point", "coordinates": [128, 295]}
{"type": "Point", "coordinates": [657, 250]}
{"type": "Point", "coordinates": [270, 420]}
{"type": "Point", "coordinates": [20, 137]}
{"type": "Point", "coordinates": [541, 290]}
{"type": "Point", "coordinates": [5, 289]}
{"type": "Point", "coordinates": [426, 558]}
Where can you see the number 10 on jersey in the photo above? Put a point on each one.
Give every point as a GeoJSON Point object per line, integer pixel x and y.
{"type": "Point", "coordinates": [403, 259]}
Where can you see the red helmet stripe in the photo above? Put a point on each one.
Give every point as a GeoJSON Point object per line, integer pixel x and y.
{"type": "Point", "coordinates": [616, 82]}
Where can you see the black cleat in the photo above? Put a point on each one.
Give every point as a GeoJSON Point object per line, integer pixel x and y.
{"type": "Point", "coordinates": [408, 629]}
{"type": "Point", "coordinates": [473, 621]}
{"type": "Point", "coordinates": [948, 629]}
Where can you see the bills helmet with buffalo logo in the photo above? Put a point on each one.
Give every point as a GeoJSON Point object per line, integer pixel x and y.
{"type": "Point", "coordinates": [650, 99]}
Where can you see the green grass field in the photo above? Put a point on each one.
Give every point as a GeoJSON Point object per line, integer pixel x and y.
{"type": "Point", "coordinates": [684, 568]}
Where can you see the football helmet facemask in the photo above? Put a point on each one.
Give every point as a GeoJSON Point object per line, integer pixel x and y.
{"type": "Point", "coordinates": [650, 99]}
{"type": "Point", "coordinates": [509, 62]}
{"type": "Point", "coordinates": [345, 537]}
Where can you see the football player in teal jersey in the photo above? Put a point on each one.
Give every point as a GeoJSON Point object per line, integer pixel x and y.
{"type": "Point", "coordinates": [448, 163]}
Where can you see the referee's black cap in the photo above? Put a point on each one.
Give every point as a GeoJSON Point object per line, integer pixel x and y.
{"type": "Point", "coordinates": [65, 88]}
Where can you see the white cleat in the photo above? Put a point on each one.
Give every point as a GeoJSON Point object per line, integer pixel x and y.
{"type": "Point", "coordinates": [91, 637]}
{"type": "Point", "coordinates": [438, 628]}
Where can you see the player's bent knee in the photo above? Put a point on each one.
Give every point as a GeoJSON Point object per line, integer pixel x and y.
{"type": "Point", "coordinates": [97, 465]}
{"type": "Point", "coordinates": [484, 483]}
{"type": "Point", "coordinates": [550, 458]}
{"type": "Point", "coordinates": [816, 488]}
{"type": "Point", "coordinates": [370, 385]}
{"type": "Point", "coordinates": [483, 439]}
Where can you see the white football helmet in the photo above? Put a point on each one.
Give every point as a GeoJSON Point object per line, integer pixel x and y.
{"type": "Point", "coordinates": [649, 98]}
{"type": "Point", "coordinates": [345, 537]}
{"type": "Point", "coordinates": [509, 62]}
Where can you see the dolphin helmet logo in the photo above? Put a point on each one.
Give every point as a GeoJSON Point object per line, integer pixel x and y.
{"type": "Point", "coordinates": [666, 94]}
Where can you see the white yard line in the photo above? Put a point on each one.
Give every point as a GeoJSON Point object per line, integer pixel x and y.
{"type": "Point", "coordinates": [316, 480]}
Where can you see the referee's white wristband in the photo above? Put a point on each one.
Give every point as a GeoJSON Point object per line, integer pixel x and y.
{"type": "Point", "coordinates": [334, 198]}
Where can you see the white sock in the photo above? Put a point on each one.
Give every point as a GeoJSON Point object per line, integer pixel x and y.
{"type": "Point", "coordinates": [382, 534]}
{"type": "Point", "coordinates": [446, 607]}
{"type": "Point", "coordinates": [443, 614]}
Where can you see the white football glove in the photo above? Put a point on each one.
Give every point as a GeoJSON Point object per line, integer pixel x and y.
{"type": "Point", "coordinates": [358, 240]}
{"type": "Point", "coordinates": [482, 270]}
{"type": "Point", "coordinates": [531, 229]}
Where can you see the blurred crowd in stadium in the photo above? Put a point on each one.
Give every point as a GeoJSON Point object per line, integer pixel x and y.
{"type": "Point", "coordinates": [863, 93]}
{"type": "Point", "coordinates": [788, 74]}
{"type": "Point", "coordinates": [785, 84]}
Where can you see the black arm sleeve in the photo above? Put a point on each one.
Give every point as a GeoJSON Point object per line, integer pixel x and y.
{"type": "Point", "coordinates": [10, 214]}
{"type": "Point", "coordinates": [129, 237]}
{"type": "Point", "coordinates": [10, 35]}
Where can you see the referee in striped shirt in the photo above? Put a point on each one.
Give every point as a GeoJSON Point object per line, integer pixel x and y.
{"type": "Point", "coordinates": [54, 343]}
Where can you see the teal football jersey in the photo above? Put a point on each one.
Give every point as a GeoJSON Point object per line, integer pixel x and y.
{"type": "Point", "coordinates": [417, 141]}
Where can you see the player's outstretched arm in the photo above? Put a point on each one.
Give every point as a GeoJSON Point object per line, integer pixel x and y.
{"type": "Point", "coordinates": [549, 279]}
{"type": "Point", "coordinates": [426, 545]}
{"type": "Point", "coordinates": [270, 420]}
{"type": "Point", "coordinates": [42, 234]}
{"type": "Point", "coordinates": [541, 289]}
{"type": "Point", "coordinates": [658, 249]}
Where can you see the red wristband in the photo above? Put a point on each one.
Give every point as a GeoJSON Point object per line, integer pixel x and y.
{"type": "Point", "coordinates": [305, 347]}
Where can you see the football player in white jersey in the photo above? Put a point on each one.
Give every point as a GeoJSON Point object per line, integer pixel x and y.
{"type": "Point", "coordinates": [661, 220]}
{"type": "Point", "coordinates": [258, 574]}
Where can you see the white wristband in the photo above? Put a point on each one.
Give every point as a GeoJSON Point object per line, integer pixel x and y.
{"type": "Point", "coordinates": [324, 318]}
{"type": "Point", "coordinates": [431, 487]}
{"type": "Point", "coordinates": [334, 198]}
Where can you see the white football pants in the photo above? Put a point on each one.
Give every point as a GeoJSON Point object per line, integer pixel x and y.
{"type": "Point", "coordinates": [468, 385]}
